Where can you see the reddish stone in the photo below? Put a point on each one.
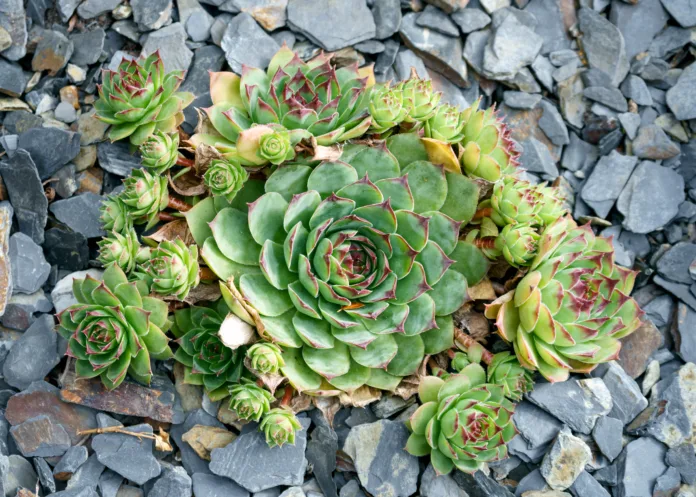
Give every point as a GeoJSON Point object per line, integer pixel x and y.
{"type": "Point", "coordinates": [637, 348]}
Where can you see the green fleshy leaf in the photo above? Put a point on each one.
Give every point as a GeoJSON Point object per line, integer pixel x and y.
{"type": "Point", "coordinates": [266, 218]}
{"type": "Point", "coordinates": [450, 293]}
{"type": "Point", "coordinates": [428, 185]}
{"type": "Point", "coordinates": [443, 230]}
{"type": "Point", "coordinates": [330, 177]}
{"type": "Point", "coordinates": [224, 267]}
{"type": "Point", "coordinates": [274, 267]}
{"type": "Point", "coordinates": [441, 338]}
{"type": "Point", "coordinates": [377, 354]}
{"type": "Point", "coordinates": [329, 363]}
{"type": "Point", "coordinates": [268, 300]}
{"type": "Point", "coordinates": [470, 261]}
{"type": "Point", "coordinates": [158, 311]}
{"type": "Point", "coordinates": [407, 148]}
{"type": "Point", "coordinates": [315, 333]}
{"type": "Point", "coordinates": [421, 316]}
{"type": "Point", "coordinates": [198, 218]}
{"type": "Point", "coordinates": [397, 191]}
{"type": "Point", "coordinates": [382, 380]}
{"type": "Point", "coordinates": [250, 192]}
{"type": "Point", "coordinates": [233, 237]}
{"type": "Point", "coordinates": [409, 357]}
{"type": "Point", "coordinates": [281, 329]}
{"type": "Point", "coordinates": [356, 377]}
{"type": "Point", "coordinates": [300, 209]}
{"type": "Point", "coordinates": [375, 162]}
{"type": "Point", "coordinates": [462, 198]}
{"type": "Point", "coordinates": [289, 180]}
{"type": "Point", "coordinates": [298, 373]}
{"type": "Point", "coordinates": [362, 192]}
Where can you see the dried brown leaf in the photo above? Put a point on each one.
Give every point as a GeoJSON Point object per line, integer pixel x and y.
{"type": "Point", "coordinates": [328, 406]}
{"type": "Point", "coordinates": [173, 230]}
{"type": "Point", "coordinates": [474, 322]}
{"type": "Point", "coordinates": [236, 294]}
{"type": "Point", "coordinates": [482, 291]}
{"type": "Point", "coordinates": [187, 184]}
{"type": "Point", "coordinates": [271, 381]}
{"type": "Point", "coordinates": [316, 152]}
{"type": "Point", "coordinates": [202, 293]}
{"type": "Point", "coordinates": [205, 154]}
{"type": "Point", "coordinates": [162, 441]}
{"type": "Point", "coordinates": [300, 402]}
{"type": "Point", "coordinates": [409, 385]}
{"type": "Point", "coordinates": [361, 397]}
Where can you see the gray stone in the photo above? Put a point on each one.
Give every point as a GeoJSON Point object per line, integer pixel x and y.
{"type": "Point", "coordinates": [50, 148]}
{"type": "Point", "coordinates": [117, 159]}
{"type": "Point", "coordinates": [533, 481]}
{"type": "Point", "coordinates": [370, 46]}
{"type": "Point", "coordinates": [578, 403]}
{"type": "Point", "coordinates": [626, 395]}
{"type": "Point", "coordinates": [630, 123]}
{"type": "Point", "coordinates": [216, 486]}
{"type": "Point", "coordinates": [522, 100]}
{"type": "Point", "coordinates": [207, 58]}
{"type": "Point", "coordinates": [270, 14]}
{"type": "Point", "coordinates": [87, 47]}
{"type": "Point", "coordinates": [565, 72]}
{"type": "Point", "coordinates": [20, 310]}
{"type": "Point", "coordinates": [635, 88]}
{"type": "Point", "coordinates": [73, 458]}
{"type": "Point", "coordinates": [674, 264]}
{"type": "Point", "coordinates": [12, 79]}
{"type": "Point", "coordinates": [682, 11]}
{"type": "Point", "coordinates": [151, 14]}
{"type": "Point", "coordinates": [435, 19]}
{"type": "Point", "coordinates": [668, 41]}
{"type": "Point", "coordinates": [578, 155]}
{"type": "Point", "coordinates": [651, 198]}
{"type": "Point", "coordinates": [686, 345]}
{"type": "Point", "coordinates": [174, 482]}
{"type": "Point", "coordinates": [681, 98]}
{"type": "Point", "coordinates": [683, 459]}
{"type": "Point", "coordinates": [537, 158]}
{"type": "Point", "coordinates": [536, 426]}
{"type": "Point", "coordinates": [43, 470]}
{"type": "Point", "coordinates": [475, 45]}
{"type": "Point", "coordinates": [65, 113]}
{"type": "Point", "coordinates": [653, 143]}
{"type": "Point", "coordinates": [171, 43]}
{"type": "Point", "coordinates": [387, 18]}
{"type": "Point", "coordinates": [519, 448]}
{"type": "Point", "coordinates": [110, 483]}
{"type": "Point", "coordinates": [345, 23]}
{"type": "Point", "coordinates": [606, 182]}
{"type": "Point", "coordinates": [40, 437]}
{"type": "Point", "coordinates": [80, 213]}
{"type": "Point", "coordinates": [543, 70]}
{"type": "Point", "coordinates": [607, 435]}
{"type": "Point", "coordinates": [246, 43]}
{"type": "Point", "coordinates": [679, 290]}
{"type": "Point", "coordinates": [551, 123]}
{"type": "Point", "coordinates": [66, 8]}
{"type": "Point", "coordinates": [52, 52]}
{"type": "Point", "coordinates": [433, 485]}
{"type": "Point", "coordinates": [15, 473]}
{"type": "Point", "coordinates": [198, 26]}
{"type": "Point", "coordinates": [471, 19]}
{"type": "Point", "coordinates": [350, 489]}
{"type": "Point", "coordinates": [610, 97]}
{"type": "Point", "coordinates": [77, 492]}
{"type": "Point", "coordinates": [638, 23]}
{"type": "Point", "coordinates": [586, 486]}
{"type": "Point", "coordinates": [253, 465]}
{"type": "Point", "coordinates": [660, 310]}
{"type": "Point", "coordinates": [66, 249]}
{"type": "Point", "coordinates": [62, 294]}
{"type": "Point", "coordinates": [321, 454]}
{"type": "Point", "coordinates": [565, 461]}
{"type": "Point", "coordinates": [34, 355]}
{"type": "Point", "coordinates": [604, 45]}
{"type": "Point", "coordinates": [29, 267]}
{"type": "Point", "coordinates": [293, 492]}
{"type": "Point", "coordinates": [512, 47]}
{"type": "Point", "coordinates": [560, 58]}
{"type": "Point", "coordinates": [87, 475]}
{"type": "Point", "coordinates": [5, 39]}
{"type": "Point", "coordinates": [128, 456]}
{"type": "Point", "coordinates": [640, 464]}
{"type": "Point", "coordinates": [405, 60]}
{"type": "Point", "coordinates": [550, 24]}
{"type": "Point", "coordinates": [13, 20]}
{"type": "Point", "coordinates": [439, 52]}
{"type": "Point", "coordinates": [90, 9]}
{"type": "Point", "coordinates": [668, 483]}
{"type": "Point", "coordinates": [384, 468]}
{"type": "Point", "coordinates": [524, 17]}
{"type": "Point", "coordinates": [189, 458]}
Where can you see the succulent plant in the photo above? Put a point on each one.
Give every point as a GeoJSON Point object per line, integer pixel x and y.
{"type": "Point", "coordinates": [386, 107]}
{"type": "Point", "coordinates": [115, 215]}
{"type": "Point", "coordinates": [159, 152]}
{"type": "Point", "coordinates": [420, 101]}
{"type": "Point", "coordinates": [279, 426]}
{"type": "Point", "coordinates": [206, 359]}
{"type": "Point", "coordinates": [265, 357]}
{"type": "Point", "coordinates": [172, 268]}
{"type": "Point", "coordinates": [572, 307]}
{"type": "Point", "coordinates": [517, 243]}
{"type": "Point", "coordinates": [552, 204]}
{"type": "Point", "coordinates": [250, 401]}
{"type": "Point", "coordinates": [114, 329]}
{"type": "Point", "coordinates": [307, 99]}
{"type": "Point", "coordinates": [225, 178]}
{"type": "Point", "coordinates": [357, 266]}
{"type": "Point", "coordinates": [460, 361]}
{"type": "Point", "coordinates": [487, 150]}
{"type": "Point", "coordinates": [145, 196]}
{"type": "Point", "coordinates": [139, 99]}
{"type": "Point", "coordinates": [262, 144]}
{"type": "Point", "coordinates": [447, 124]}
{"type": "Point", "coordinates": [506, 370]}
{"type": "Point", "coordinates": [514, 202]}
{"type": "Point", "coordinates": [122, 250]}
{"type": "Point", "coordinates": [462, 422]}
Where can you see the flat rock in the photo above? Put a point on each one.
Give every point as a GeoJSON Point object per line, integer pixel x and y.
{"type": "Point", "coordinates": [640, 464]}
{"type": "Point", "coordinates": [471, 19]}
{"type": "Point", "coordinates": [551, 23]}
{"type": "Point", "coordinates": [207, 58]}
{"type": "Point", "coordinates": [252, 464]}
{"type": "Point", "coordinates": [674, 264]}
{"type": "Point", "coordinates": [29, 267]}
{"type": "Point", "coordinates": [610, 97]}
{"type": "Point", "coordinates": [683, 459]}
{"type": "Point", "coordinates": [21, 309]}
{"type": "Point", "coordinates": [577, 403]}
{"type": "Point", "coordinates": [12, 79]}
{"type": "Point", "coordinates": [653, 143]}
{"type": "Point", "coordinates": [159, 401]}
{"type": "Point", "coordinates": [43, 470]}
{"type": "Point", "coordinates": [151, 14]}
{"type": "Point", "coordinates": [88, 47]}
{"type": "Point", "coordinates": [40, 437]}
{"type": "Point", "coordinates": [630, 122]}
{"type": "Point", "coordinates": [73, 458]}
{"type": "Point", "coordinates": [90, 9]}
{"type": "Point", "coordinates": [13, 19]}
{"type": "Point", "coordinates": [216, 486]}
{"type": "Point", "coordinates": [50, 148]}
{"type": "Point", "coordinates": [383, 467]}
{"type": "Point", "coordinates": [66, 249]}
{"type": "Point", "coordinates": [440, 53]}
{"type": "Point", "coordinates": [191, 461]}
{"type": "Point", "coordinates": [521, 100]}
{"type": "Point", "coordinates": [686, 345]}
{"type": "Point", "coordinates": [627, 397]}
{"type": "Point", "coordinates": [81, 214]}
{"type": "Point", "coordinates": [345, 23]}
{"type": "Point", "coordinates": [565, 460]}
{"type": "Point", "coordinates": [537, 158]}
{"type": "Point", "coordinates": [638, 23]}
{"type": "Point", "coordinates": [128, 456]}
{"type": "Point", "coordinates": [34, 355]}
{"type": "Point", "coordinates": [604, 45]}
{"type": "Point", "coordinates": [639, 346]}
{"type": "Point", "coordinates": [321, 454]}
{"type": "Point", "coordinates": [42, 398]}
{"type": "Point", "coordinates": [587, 486]}
{"type": "Point", "coordinates": [174, 482]}
{"type": "Point", "coordinates": [607, 434]}
{"type": "Point", "coordinates": [435, 19]}
{"type": "Point", "coordinates": [608, 179]}
{"type": "Point", "coordinates": [203, 439]}
{"type": "Point", "coordinates": [15, 473]}
{"type": "Point", "coordinates": [171, 43]}
{"type": "Point", "coordinates": [433, 485]}
{"type": "Point", "coordinates": [635, 88]}
{"type": "Point", "coordinates": [512, 47]}
{"type": "Point", "coordinates": [387, 18]}
{"type": "Point", "coordinates": [52, 52]}
{"type": "Point", "coordinates": [681, 98]}
{"type": "Point", "coordinates": [26, 194]}
{"type": "Point", "coordinates": [6, 214]}
{"type": "Point", "coordinates": [651, 198]}
{"type": "Point", "coordinates": [552, 124]}
{"type": "Point", "coordinates": [246, 43]}
{"type": "Point", "coordinates": [536, 426]}
{"type": "Point", "coordinates": [682, 11]}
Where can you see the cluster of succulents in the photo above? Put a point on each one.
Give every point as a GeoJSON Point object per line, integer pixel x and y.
{"type": "Point", "coordinates": [339, 275]}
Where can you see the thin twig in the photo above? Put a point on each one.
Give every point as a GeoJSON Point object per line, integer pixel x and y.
{"type": "Point", "coordinates": [179, 205]}
{"type": "Point", "coordinates": [287, 396]}
{"type": "Point", "coordinates": [184, 162]}
{"type": "Point", "coordinates": [466, 341]}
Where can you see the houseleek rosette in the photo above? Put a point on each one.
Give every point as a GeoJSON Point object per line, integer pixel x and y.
{"type": "Point", "coordinates": [159, 152]}
{"type": "Point", "coordinates": [172, 269]}
{"type": "Point", "coordinates": [354, 267]}
{"type": "Point", "coordinates": [279, 426]}
{"type": "Point", "coordinates": [225, 178]}
{"type": "Point", "coordinates": [139, 99]}
{"type": "Point", "coordinates": [114, 329]}
{"type": "Point", "coordinates": [145, 196]}
{"type": "Point", "coordinates": [446, 124]}
{"type": "Point", "coordinates": [386, 107]}
{"type": "Point", "coordinates": [265, 357]}
{"type": "Point", "coordinates": [115, 215]}
{"type": "Point", "coordinates": [506, 370]}
{"type": "Point", "coordinates": [572, 307]}
{"type": "Point", "coordinates": [123, 250]}
{"type": "Point", "coordinates": [462, 423]}
{"type": "Point", "coordinates": [250, 401]}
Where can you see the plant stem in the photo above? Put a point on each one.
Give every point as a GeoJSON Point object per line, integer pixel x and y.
{"type": "Point", "coordinates": [163, 216]}
{"type": "Point", "coordinates": [466, 341]}
{"type": "Point", "coordinates": [206, 273]}
{"type": "Point", "coordinates": [487, 242]}
{"type": "Point", "coordinates": [287, 396]}
{"type": "Point", "coordinates": [481, 213]}
{"type": "Point", "coordinates": [178, 204]}
{"type": "Point", "coordinates": [183, 161]}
